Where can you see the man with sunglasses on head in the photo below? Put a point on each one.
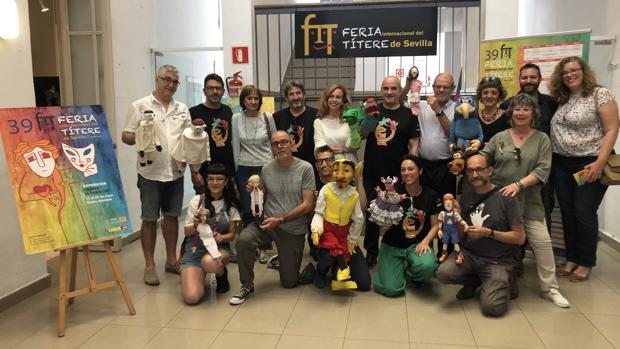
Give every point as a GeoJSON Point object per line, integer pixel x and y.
{"type": "Point", "coordinates": [436, 115]}
{"type": "Point", "coordinates": [288, 184]}
{"type": "Point", "coordinates": [217, 117]}
{"type": "Point", "coordinates": [160, 181]}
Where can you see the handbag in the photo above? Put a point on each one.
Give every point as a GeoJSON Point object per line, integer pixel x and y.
{"type": "Point", "coordinates": [611, 171]}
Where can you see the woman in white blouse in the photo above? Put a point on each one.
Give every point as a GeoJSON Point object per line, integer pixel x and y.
{"type": "Point", "coordinates": [583, 132]}
{"type": "Point", "coordinates": [329, 127]}
{"type": "Point", "coordinates": [251, 130]}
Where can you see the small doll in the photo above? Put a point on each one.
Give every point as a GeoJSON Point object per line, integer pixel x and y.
{"type": "Point", "coordinates": [193, 148]}
{"type": "Point", "coordinates": [465, 130]}
{"type": "Point", "coordinates": [147, 141]}
{"type": "Point", "coordinates": [337, 224]}
{"type": "Point", "coordinates": [385, 210]}
{"type": "Point", "coordinates": [354, 117]}
{"type": "Point", "coordinates": [205, 233]}
{"type": "Point", "coordinates": [414, 86]}
{"type": "Point", "coordinates": [457, 165]}
{"type": "Point", "coordinates": [448, 219]}
{"type": "Point", "coordinates": [256, 197]}
{"type": "Point", "coordinates": [371, 110]}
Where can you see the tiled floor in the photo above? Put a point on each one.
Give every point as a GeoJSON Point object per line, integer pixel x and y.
{"type": "Point", "coordinates": [306, 317]}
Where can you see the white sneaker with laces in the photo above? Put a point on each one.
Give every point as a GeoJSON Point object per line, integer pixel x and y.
{"type": "Point", "coordinates": [554, 296]}
{"type": "Point", "coordinates": [241, 296]}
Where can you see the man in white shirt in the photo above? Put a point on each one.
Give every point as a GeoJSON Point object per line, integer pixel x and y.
{"type": "Point", "coordinates": [436, 115]}
{"type": "Point", "coordinates": [160, 181]}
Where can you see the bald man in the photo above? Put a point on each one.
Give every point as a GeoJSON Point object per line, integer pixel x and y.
{"type": "Point", "coordinates": [395, 135]}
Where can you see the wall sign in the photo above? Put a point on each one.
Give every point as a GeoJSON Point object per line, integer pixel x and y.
{"type": "Point", "coordinates": [240, 55]}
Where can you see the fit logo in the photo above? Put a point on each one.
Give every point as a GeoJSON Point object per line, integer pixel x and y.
{"type": "Point", "coordinates": [319, 30]}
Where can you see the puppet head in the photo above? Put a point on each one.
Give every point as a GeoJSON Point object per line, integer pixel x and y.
{"type": "Point", "coordinates": [148, 115]}
{"type": "Point", "coordinates": [465, 105]}
{"type": "Point", "coordinates": [413, 73]}
{"type": "Point", "coordinates": [198, 126]}
{"type": "Point", "coordinates": [353, 116]}
{"type": "Point", "coordinates": [254, 181]}
{"type": "Point", "coordinates": [370, 107]}
{"type": "Point", "coordinates": [457, 164]}
{"type": "Point", "coordinates": [344, 172]}
{"type": "Point", "coordinates": [448, 202]}
{"type": "Point", "coordinates": [389, 183]}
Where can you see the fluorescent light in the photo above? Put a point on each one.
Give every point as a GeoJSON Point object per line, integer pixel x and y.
{"type": "Point", "coordinates": [43, 7]}
{"type": "Point", "coordinates": [9, 23]}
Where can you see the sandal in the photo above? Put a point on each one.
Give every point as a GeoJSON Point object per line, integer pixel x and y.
{"type": "Point", "coordinates": [562, 272]}
{"type": "Point", "coordinates": [578, 278]}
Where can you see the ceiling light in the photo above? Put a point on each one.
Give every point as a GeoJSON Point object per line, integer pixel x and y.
{"type": "Point", "coordinates": [43, 7]}
{"type": "Point", "coordinates": [9, 22]}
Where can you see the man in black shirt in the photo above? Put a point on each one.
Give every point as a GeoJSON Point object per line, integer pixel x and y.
{"type": "Point", "coordinates": [489, 245]}
{"type": "Point", "coordinates": [298, 121]}
{"type": "Point", "coordinates": [395, 135]}
{"type": "Point", "coordinates": [217, 118]}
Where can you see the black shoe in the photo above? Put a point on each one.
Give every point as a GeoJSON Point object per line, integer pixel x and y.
{"type": "Point", "coordinates": [514, 287]}
{"type": "Point", "coordinates": [371, 260]}
{"type": "Point", "coordinates": [242, 295]}
{"type": "Point", "coordinates": [223, 285]}
{"type": "Point", "coordinates": [319, 281]}
{"type": "Point", "coordinates": [307, 275]}
{"type": "Point", "coordinates": [232, 258]}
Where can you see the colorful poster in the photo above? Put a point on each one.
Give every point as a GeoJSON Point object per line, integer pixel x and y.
{"type": "Point", "coordinates": [64, 174]}
{"type": "Point", "coordinates": [503, 57]}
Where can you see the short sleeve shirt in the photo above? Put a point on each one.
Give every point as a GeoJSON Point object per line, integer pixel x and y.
{"type": "Point", "coordinates": [434, 143]}
{"type": "Point", "coordinates": [169, 126]}
{"type": "Point", "coordinates": [301, 130]}
{"type": "Point", "coordinates": [232, 214]}
{"type": "Point", "coordinates": [218, 122]}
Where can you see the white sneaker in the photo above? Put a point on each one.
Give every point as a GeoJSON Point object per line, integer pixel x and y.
{"type": "Point", "coordinates": [554, 296]}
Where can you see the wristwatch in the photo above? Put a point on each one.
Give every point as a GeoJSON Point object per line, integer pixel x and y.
{"type": "Point", "coordinates": [492, 235]}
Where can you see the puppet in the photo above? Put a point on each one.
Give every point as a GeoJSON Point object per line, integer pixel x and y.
{"type": "Point", "coordinates": [372, 116]}
{"type": "Point", "coordinates": [147, 141]}
{"type": "Point", "coordinates": [354, 117]}
{"type": "Point", "coordinates": [414, 86]}
{"type": "Point", "coordinates": [448, 220]}
{"type": "Point", "coordinates": [385, 210]}
{"type": "Point", "coordinates": [193, 148]}
{"type": "Point", "coordinates": [205, 233]}
{"type": "Point", "coordinates": [466, 130]}
{"type": "Point", "coordinates": [457, 164]}
{"type": "Point", "coordinates": [256, 198]}
{"type": "Point", "coordinates": [337, 224]}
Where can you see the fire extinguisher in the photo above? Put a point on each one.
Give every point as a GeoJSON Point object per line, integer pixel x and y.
{"type": "Point", "coordinates": [234, 84]}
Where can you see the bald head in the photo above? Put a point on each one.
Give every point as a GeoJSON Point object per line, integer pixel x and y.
{"type": "Point", "coordinates": [390, 91]}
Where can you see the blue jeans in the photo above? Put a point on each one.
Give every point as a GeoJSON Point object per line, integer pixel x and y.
{"type": "Point", "coordinates": [243, 174]}
{"type": "Point", "coordinates": [579, 205]}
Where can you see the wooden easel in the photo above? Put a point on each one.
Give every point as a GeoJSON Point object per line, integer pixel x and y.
{"type": "Point", "coordinates": [93, 286]}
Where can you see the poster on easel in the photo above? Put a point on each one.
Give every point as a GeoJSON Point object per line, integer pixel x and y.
{"type": "Point", "coordinates": [503, 58]}
{"type": "Point", "coordinates": [64, 175]}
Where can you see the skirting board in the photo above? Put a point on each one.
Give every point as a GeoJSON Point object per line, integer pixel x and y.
{"type": "Point", "coordinates": [25, 292]}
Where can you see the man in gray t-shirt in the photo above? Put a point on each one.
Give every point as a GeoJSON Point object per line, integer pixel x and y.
{"type": "Point", "coordinates": [288, 183]}
{"type": "Point", "coordinates": [494, 234]}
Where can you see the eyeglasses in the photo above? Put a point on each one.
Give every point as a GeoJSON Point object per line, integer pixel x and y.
{"type": "Point", "coordinates": [170, 81]}
{"type": "Point", "coordinates": [517, 154]}
{"type": "Point", "coordinates": [282, 143]}
{"type": "Point", "coordinates": [214, 88]}
{"type": "Point", "coordinates": [570, 72]}
{"type": "Point", "coordinates": [490, 79]}
{"type": "Point", "coordinates": [326, 161]}
{"type": "Point", "coordinates": [216, 179]}
{"type": "Point", "coordinates": [471, 171]}
{"type": "Point", "coordinates": [442, 88]}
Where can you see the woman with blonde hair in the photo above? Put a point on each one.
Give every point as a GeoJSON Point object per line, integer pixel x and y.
{"type": "Point", "coordinates": [584, 130]}
{"type": "Point", "coordinates": [329, 127]}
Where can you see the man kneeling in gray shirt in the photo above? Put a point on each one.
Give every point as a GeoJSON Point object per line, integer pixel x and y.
{"type": "Point", "coordinates": [288, 183]}
{"type": "Point", "coordinates": [490, 243]}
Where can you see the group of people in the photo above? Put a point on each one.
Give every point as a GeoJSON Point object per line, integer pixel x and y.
{"type": "Point", "coordinates": [532, 143]}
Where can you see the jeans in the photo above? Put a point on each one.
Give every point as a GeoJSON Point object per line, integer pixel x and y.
{"type": "Point", "coordinates": [357, 264]}
{"type": "Point", "coordinates": [579, 205]}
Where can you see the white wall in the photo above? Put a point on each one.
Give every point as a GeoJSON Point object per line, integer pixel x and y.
{"type": "Point", "coordinates": [237, 29]}
{"type": "Point", "coordinates": [499, 19]}
{"type": "Point", "coordinates": [18, 270]}
{"type": "Point", "coordinates": [566, 15]}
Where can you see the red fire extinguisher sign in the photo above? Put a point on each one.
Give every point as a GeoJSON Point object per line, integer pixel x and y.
{"type": "Point", "coordinates": [240, 55]}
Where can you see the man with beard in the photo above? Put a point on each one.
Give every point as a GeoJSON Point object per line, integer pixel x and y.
{"type": "Point", "coordinates": [495, 231]}
{"type": "Point", "coordinates": [217, 118]}
{"type": "Point", "coordinates": [288, 184]}
{"type": "Point", "coordinates": [394, 134]}
{"type": "Point", "coordinates": [298, 121]}
{"type": "Point", "coordinates": [529, 80]}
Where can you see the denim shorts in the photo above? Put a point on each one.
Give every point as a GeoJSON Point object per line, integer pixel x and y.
{"type": "Point", "coordinates": [193, 258]}
{"type": "Point", "coordinates": [164, 196]}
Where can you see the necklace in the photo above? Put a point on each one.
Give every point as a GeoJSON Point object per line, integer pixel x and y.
{"type": "Point", "coordinates": [245, 128]}
{"type": "Point", "coordinates": [490, 118]}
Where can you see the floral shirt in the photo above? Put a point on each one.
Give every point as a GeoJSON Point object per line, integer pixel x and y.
{"type": "Point", "coordinates": [576, 128]}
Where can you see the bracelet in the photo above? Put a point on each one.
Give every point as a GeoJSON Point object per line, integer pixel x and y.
{"type": "Point", "coordinates": [519, 184]}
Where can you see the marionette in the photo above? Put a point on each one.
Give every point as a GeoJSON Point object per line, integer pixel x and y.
{"type": "Point", "coordinates": [385, 210]}
{"type": "Point", "coordinates": [147, 141]}
{"type": "Point", "coordinates": [337, 224]}
{"type": "Point", "coordinates": [466, 130]}
{"type": "Point", "coordinates": [448, 220]}
{"type": "Point", "coordinates": [256, 198]}
{"type": "Point", "coordinates": [205, 233]}
{"type": "Point", "coordinates": [193, 147]}
{"type": "Point", "coordinates": [414, 86]}
{"type": "Point", "coordinates": [354, 117]}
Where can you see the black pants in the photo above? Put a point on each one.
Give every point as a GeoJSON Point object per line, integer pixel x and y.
{"type": "Point", "coordinates": [371, 237]}
{"type": "Point", "coordinates": [435, 175]}
{"type": "Point", "coordinates": [357, 264]}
